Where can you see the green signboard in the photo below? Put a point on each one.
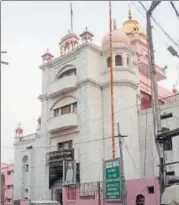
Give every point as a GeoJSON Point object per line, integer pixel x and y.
{"type": "Point", "coordinates": [112, 180]}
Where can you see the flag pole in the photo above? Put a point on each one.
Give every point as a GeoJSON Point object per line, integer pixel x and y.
{"type": "Point", "coordinates": [71, 15]}
{"type": "Point", "coordinates": [111, 82]}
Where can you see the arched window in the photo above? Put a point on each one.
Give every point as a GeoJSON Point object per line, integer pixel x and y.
{"type": "Point", "coordinates": [68, 73]}
{"type": "Point", "coordinates": [25, 164]}
{"type": "Point", "coordinates": [118, 60]}
{"type": "Point", "coordinates": [108, 62]}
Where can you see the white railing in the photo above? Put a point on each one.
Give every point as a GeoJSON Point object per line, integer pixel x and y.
{"type": "Point", "coordinates": [172, 98]}
{"type": "Point", "coordinates": [27, 138]}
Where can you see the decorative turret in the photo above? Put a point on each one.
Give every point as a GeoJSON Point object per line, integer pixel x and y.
{"type": "Point", "coordinates": [19, 132]}
{"type": "Point", "coordinates": [174, 90]}
{"type": "Point", "coordinates": [68, 43]}
{"type": "Point", "coordinates": [132, 26]}
{"type": "Point", "coordinates": [47, 56]}
{"type": "Point", "coordinates": [86, 36]}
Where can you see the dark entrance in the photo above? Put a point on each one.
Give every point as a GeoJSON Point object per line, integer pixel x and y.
{"type": "Point", "coordinates": [59, 196]}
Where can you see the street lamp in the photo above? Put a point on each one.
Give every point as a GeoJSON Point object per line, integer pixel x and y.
{"type": "Point", "coordinates": [3, 62]}
{"type": "Point", "coordinates": [173, 51]}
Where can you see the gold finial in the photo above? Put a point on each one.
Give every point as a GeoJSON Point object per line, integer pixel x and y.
{"type": "Point", "coordinates": [129, 13]}
{"type": "Point", "coordinates": [114, 26]}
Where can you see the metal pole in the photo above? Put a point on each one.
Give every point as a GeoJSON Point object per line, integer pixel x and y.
{"type": "Point", "coordinates": [111, 82]}
{"type": "Point", "coordinates": [123, 184]}
{"type": "Point", "coordinates": [156, 107]}
{"type": "Point", "coordinates": [99, 193]}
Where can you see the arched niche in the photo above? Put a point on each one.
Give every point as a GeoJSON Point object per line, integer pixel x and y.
{"type": "Point", "coordinates": [25, 163]}
{"type": "Point", "coordinates": [67, 69]}
{"type": "Point", "coordinates": [62, 101]}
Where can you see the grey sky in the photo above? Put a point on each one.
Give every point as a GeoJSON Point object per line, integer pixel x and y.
{"type": "Point", "coordinates": [29, 28]}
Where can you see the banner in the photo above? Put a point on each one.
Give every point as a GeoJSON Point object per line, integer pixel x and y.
{"type": "Point", "coordinates": [69, 173]}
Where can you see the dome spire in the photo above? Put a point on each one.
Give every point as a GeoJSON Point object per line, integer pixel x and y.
{"type": "Point", "coordinates": [114, 25]}
{"type": "Point", "coordinates": [129, 13]}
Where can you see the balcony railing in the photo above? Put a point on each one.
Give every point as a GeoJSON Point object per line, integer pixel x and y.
{"type": "Point", "coordinates": [171, 98]}
{"type": "Point", "coordinates": [144, 68]}
{"type": "Point", "coordinates": [26, 138]}
{"type": "Point", "coordinates": [62, 85]}
{"type": "Point", "coordinates": [63, 122]}
{"type": "Point", "coordinates": [162, 101]}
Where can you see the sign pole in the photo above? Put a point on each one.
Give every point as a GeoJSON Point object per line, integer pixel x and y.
{"type": "Point", "coordinates": [123, 181]}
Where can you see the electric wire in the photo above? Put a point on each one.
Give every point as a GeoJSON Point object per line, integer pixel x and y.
{"type": "Point", "coordinates": [146, 124]}
{"type": "Point", "coordinates": [92, 120]}
{"type": "Point", "coordinates": [157, 146]}
{"type": "Point", "coordinates": [165, 43]}
{"type": "Point", "coordinates": [166, 34]}
{"type": "Point", "coordinates": [174, 8]}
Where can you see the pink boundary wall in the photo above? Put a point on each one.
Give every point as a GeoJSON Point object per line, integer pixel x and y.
{"type": "Point", "coordinates": [134, 187]}
{"type": "Point", "coordinates": [8, 193]}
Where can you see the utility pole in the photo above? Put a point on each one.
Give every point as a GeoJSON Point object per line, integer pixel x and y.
{"type": "Point", "coordinates": [123, 184]}
{"type": "Point", "coordinates": [156, 107]}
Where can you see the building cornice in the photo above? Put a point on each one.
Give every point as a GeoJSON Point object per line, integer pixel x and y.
{"type": "Point", "coordinates": [119, 47]}
{"type": "Point", "coordinates": [107, 84]}
{"type": "Point", "coordinates": [88, 81]}
{"type": "Point", "coordinates": [126, 83]}
{"type": "Point", "coordinates": [64, 59]}
{"type": "Point", "coordinates": [64, 133]}
{"type": "Point", "coordinates": [119, 68]}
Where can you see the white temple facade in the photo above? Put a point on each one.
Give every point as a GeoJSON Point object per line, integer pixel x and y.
{"type": "Point", "coordinates": [76, 114]}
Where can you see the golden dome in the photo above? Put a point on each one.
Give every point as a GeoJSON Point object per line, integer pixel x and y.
{"type": "Point", "coordinates": [132, 26]}
{"type": "Point", "coordinates": [118, 36]}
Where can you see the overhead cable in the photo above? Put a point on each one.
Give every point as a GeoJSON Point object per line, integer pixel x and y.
{"type": "Point", "coordinates": [176, 44]}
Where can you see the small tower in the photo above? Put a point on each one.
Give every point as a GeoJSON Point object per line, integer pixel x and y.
{"type": "Point", "coordinates": [68, 43]}
{"type": "Point", "coordinates": [86, 36]}
{"type": "Point", "coordinates": [47, 56]}
{"type": "Point", "coordinates": [19, 133]}
{"type": "Point", "coordinates": [174, 90]}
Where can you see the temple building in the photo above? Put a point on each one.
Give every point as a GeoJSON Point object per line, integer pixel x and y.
{"type": "Point", "coordinates": [75, 120]}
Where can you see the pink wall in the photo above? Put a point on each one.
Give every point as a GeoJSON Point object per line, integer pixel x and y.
{"type": "Point", "coordinates": [8, 171]}
{"type": "Point", "coordinates": [134, 187]}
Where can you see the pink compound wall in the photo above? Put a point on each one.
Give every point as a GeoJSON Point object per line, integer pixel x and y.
{"type": "Point", "coordinates": [7, 172]}
{"type": "Point", "coordinates": [134, 187]}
